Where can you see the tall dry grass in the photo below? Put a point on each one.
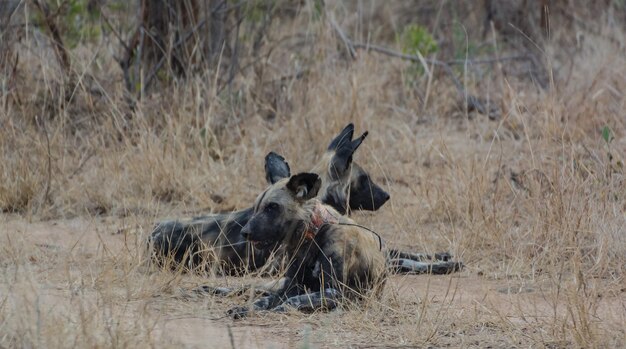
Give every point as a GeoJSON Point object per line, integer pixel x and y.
{"type": "Point", "coordinates": [536, 198]}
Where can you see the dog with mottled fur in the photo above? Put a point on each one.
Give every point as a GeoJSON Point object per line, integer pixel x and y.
{"type": "Point", "coordinates": [329, 256]}
{"type": "Point", "coordinates": [217, 240]}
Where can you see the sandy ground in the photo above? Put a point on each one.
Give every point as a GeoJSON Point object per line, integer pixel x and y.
{"type": "Point", "coordinates": [173, 321]}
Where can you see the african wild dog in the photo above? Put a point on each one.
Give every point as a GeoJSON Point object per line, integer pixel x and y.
{"type": "Point", "coordinates": [329, 256]}
{"type": "Point", "coordinates": [345, 185]}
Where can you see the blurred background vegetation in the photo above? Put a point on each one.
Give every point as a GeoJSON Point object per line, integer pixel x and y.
{"type": "Point", "coordinates": [160, 42]}
{"type": "Point", "coordinates": [79, 77]}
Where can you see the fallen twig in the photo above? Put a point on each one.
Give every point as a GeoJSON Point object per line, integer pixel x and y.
{"type": "Point", "coordinates": [346, 41]}
{"type": "Point", "coordinates": [489, 60]}
{"type": "Point", "coordinates": [471, 102]}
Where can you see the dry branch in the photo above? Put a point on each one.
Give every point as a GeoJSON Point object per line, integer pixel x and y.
{"type": "Point", "coordinates": [346, 41]}
{"type": "Point", "coordinates": [176, 45]}
{"type": "Point", "coordinates": [59, 47]}
{"type": "Point", "coordinates": [471, 102]}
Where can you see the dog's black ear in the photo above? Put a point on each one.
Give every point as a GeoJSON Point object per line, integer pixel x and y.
{"type": "Point", "coordinates": [344, 137]}
{"type": "Point", "coordinates": [276, 168]}
{"type": "Point", "coordinates": [304, 186]}
{"type": "Point", "coordinates": [341, 161]}
{"type": "Point", "coordinates": [357, 142]}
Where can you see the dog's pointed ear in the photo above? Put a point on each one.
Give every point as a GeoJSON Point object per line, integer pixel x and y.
{"type": "Point", "coordinates": [304, 186]}
{"type": "Point", "coordinates": [344, 137]}
{"type": "Point", "coordinates": [357, 142]}
{"type": "Point", "coordinates": [341, 161]}
{"type": "Point", "coordinates": [276, 168]}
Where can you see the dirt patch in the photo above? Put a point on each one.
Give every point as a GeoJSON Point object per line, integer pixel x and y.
{"type": "Point", "coordinates": [89, 270]}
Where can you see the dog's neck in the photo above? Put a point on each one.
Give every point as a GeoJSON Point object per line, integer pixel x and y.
{"type": "Point", "coordinates": [320, 215]}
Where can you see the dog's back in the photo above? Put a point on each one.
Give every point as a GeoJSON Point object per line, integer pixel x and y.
{"type": "Point", "coordinates": [203, 239]}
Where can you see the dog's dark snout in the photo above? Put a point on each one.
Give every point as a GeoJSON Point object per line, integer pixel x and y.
{"type": "Point", "coordinates": [245, 232]}
{"type": "Point", "coordinates": [385, 196]}
{"type": "Point", "coordinates": [380, 197]}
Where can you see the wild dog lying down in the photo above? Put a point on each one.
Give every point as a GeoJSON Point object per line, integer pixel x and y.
{"type": "Point", "coordinates": [329, 256]}
{"type": "Point", "coordinates": [397, 261]}
{"type": "Point", "coordinates": [344, 185]}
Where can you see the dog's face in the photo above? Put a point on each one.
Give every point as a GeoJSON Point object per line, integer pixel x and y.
{"type": "Point", "coordinates": [364, 193]}
{"type": "Point", "coordinates": [345, 184]}
{"type": "Point", "coordinates": [278, 211]}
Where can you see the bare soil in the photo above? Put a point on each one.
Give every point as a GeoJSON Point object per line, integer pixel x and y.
{"type": "Point", "coordinates": [464, 309]}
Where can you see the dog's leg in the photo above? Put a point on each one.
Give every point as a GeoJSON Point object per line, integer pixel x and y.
{"type": "Point", "coordinates": [401, 262]}
{"type": "Point", "coordinates": [283, 289]}
{"type": "Point", "coordinates": [327, 300]}
{"type": "Point", "coordinates": [397, 254]}
{"type": "Point", "coordinates": [265, 289]}
{"type": "Point", "coordinates": [418, 257]}
{"type": "Point", "coordinates": [263, 303]}
{"type": "Point", "coordinates": [409, 266]}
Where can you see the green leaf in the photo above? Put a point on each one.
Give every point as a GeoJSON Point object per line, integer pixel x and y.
{"type": "Point", "coordinates": [606, 134]}
{"type": "Point", "coordinates": [416, 38]}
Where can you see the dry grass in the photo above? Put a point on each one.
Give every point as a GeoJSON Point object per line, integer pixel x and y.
{"type": "Point", "coordinates": [533, 203]}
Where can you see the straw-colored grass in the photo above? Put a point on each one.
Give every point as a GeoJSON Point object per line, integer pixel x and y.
{"type": "Point", "coordinates": [533, 203]}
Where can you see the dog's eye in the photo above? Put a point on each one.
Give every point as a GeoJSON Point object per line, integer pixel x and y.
{"type": "Point", "coordinates": [272, 206]}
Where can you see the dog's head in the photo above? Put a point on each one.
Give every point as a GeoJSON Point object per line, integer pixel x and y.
{"type": "Point", "coordinates": [281, 211]}
{"type": "Point", "coordinates": [345, 184]}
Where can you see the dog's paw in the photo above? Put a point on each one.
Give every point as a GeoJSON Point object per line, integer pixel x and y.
{"type": "Point", "coordinates": [283, 308]}
{"type": "Point", "coordinates": [449, 267]}
{"type": "Point", "coordinates": [238, 312]}
{"type": "Point", "coordinates": [443, 256]}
